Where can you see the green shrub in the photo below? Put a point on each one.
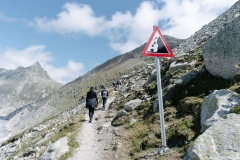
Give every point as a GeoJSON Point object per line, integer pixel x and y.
{"type": "Point", "coordinates": [152, 88]}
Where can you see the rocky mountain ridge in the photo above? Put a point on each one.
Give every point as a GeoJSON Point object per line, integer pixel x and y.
{"type": "Point", "coordinates": [208, 31]}
{"type": "Point", "coordinates": [23, 86]}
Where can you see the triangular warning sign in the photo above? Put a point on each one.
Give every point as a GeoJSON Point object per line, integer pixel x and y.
{"type": "Point", "coordinates": [157, 45]}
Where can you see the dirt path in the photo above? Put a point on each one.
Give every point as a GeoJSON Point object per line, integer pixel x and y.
{"type": "Point", "coordinates": [95, 138]}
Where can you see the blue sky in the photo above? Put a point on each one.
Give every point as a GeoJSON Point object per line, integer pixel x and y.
{"type": "Point", "coordinates": [69, 38]}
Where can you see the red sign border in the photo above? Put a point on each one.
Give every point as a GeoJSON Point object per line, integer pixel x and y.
{"type": "Point", "coordinates": [145, 53]}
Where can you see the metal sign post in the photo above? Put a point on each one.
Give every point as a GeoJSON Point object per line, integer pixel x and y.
{"type": "Point", "coordinates": [157, 46]}
{"type": "Point", "coordinates": [160, 103]}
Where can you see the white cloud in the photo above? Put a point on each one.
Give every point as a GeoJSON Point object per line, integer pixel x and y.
{"type": "Point", "coordinates": [136, 29]}
{"type": "Point", "coordinates": [67, 73]}
{"type": "Point", "coordinates": [75, 18]}
{"type": "Point", "coordinates": [185, 17]}
{"type": "Point", "coordinates": [126, 31]}
{"type": "Point", "coordinates": [6, 18]}
{"type": "Point", "coordinates": [12, 58]}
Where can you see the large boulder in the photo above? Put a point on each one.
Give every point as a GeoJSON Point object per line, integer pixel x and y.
{"type": "Point", "coordinates": [131, 105]}
{"type": "Point", "coordinates": [217, 104]}
{"type": "Point", "coordinates": [56, 150]}
{"type": "Point", "coordinates": [222, 52]}
{"type": "Point", "coordinates": [219, 142]}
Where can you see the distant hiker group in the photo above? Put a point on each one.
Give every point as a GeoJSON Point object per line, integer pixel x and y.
{"type": "Point", "coordinates": [117, 85]}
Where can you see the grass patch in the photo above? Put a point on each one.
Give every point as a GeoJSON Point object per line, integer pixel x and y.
{"type": "Point", "coordinates": [72, 143]}
{"type": "Point", "coordinates": [235, 110]}
{"type": "Point", "coordinates": [118, 121]}
{"type": "Point", "coordinates": [152, 88]}
{"type": "Point", "coordinates": [71, 130]}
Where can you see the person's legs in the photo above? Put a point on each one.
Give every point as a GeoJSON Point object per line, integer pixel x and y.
{"type": "Point", "coordinates": [104, 102]}
{"type": "Point", "coordinates": [91, 112]}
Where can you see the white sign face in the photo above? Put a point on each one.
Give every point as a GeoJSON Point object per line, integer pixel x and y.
{"type": "Point", "coordinates": [153, 47]}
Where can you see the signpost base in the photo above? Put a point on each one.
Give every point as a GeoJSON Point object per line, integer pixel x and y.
{"type": "Point", "coordinates": [162, 149]}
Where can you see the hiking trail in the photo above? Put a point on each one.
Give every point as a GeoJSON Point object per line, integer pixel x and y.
{"type": "Point", "coordinates": [95, 139]}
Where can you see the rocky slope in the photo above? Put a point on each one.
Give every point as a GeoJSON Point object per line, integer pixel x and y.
{"type": "Point", "coordinates": [208, 30]}
{"type": "Point", "coordinates": [185, 83]}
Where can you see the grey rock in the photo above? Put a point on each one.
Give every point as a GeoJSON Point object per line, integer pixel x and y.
{"type": "Point", "coordinates": [222, 52]}
{"type": "Point", "coordinates": [122, 113]}
{"type": "Point", "coordinates": [187, 77]}
{"type": "Point", "coordinates": [219, 142]}
{"type": "Point", "coordinates": [133, 121]}
{"type": "Point", "coordinates": [153, 71]}
{"type": "Point", "coordinates": [176, 66]}
{"type": "Point", "coordinates": [131, 105]}
{"type": "Point", "coordinates": [216, 105]}
{"type": "Point", "coordinates": [56, 150]}
{"type": "Point", "coordinates": [124, 76]}
{"type": "Point", "coordinates": [35, 129]}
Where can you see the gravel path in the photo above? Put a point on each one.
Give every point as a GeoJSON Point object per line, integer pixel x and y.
{"type": "Point", "coordinates": [95, 138]}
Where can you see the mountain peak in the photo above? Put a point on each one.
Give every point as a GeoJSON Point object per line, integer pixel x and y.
{"type": "Point", "coordinates": [37, 64]}
{"type": "Point", "coordinates": [38, 70]}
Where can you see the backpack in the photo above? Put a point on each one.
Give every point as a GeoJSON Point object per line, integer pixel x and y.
{"type": "Point", "coordinates": [91, 103]}
{"type": "Point", "coordinates": [104, 93]}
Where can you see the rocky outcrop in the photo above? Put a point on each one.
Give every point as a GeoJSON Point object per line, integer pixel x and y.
{"type": "Point", "coordinates": [222, 52]}
{"type": "Point", "coordinates": [209, 30]}
{"type": "Point", "coordinates": [56, 150]}
{"type": "Point", "coordinates": [220, 141]}
{"type": "Point", "coordinates": [216, 105]}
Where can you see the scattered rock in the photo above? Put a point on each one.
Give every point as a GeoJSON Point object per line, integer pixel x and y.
{"type": "Point", "coordinates": [216, 105]}
{"type": "Point", "coordinates": [176, 66]}
{"type": "Point", "coordinates": [220, 141]}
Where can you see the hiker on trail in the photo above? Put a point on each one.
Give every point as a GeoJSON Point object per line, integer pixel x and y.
{"type": "Point", "coordinates": [104, 95]}
{"type": "Point", "coordinates": [91, 102]}
{"type": "Point", "coordinates": [119, 83]}
{"type": "Point", "coordinates": [114, 84]}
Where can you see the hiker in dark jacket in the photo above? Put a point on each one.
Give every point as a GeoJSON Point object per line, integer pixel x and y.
{"type": "Point", "coordinates": [114, 84]}
{"type": "Point", "coordinates": [91, 95]}
{"type": "Point", "coordinates": [104, 95]}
